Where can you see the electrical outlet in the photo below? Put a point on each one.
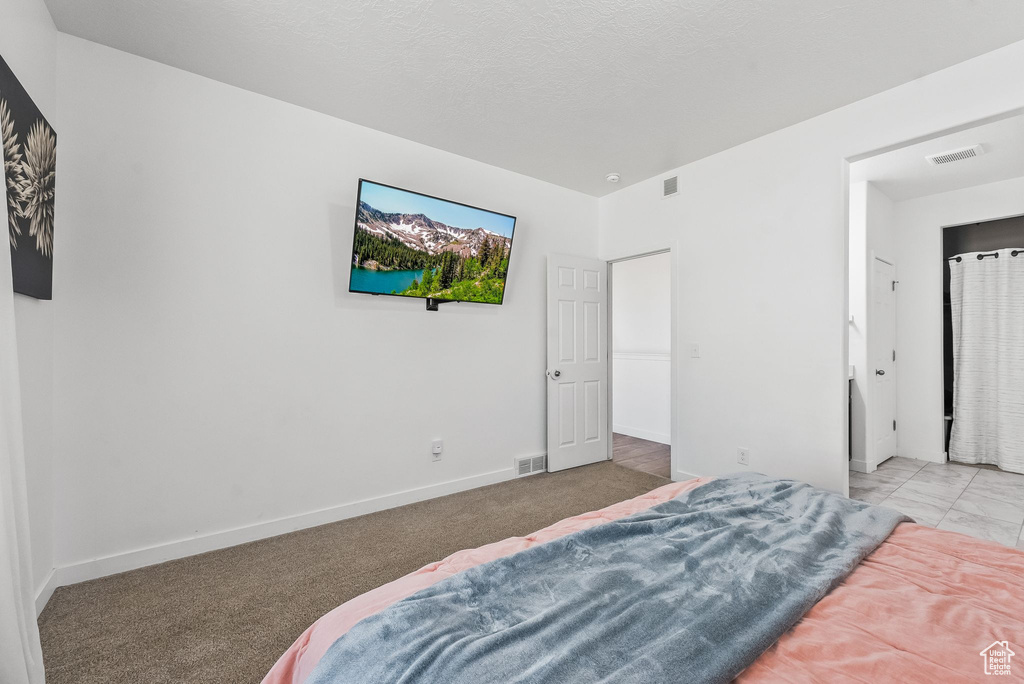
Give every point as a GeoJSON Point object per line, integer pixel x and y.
{"type": "Point", "coordinates": [743, 456]}
{"type": "Point", "coordinates": [694, 350]}
{"type": "Point", "coordinates": [436, 447]}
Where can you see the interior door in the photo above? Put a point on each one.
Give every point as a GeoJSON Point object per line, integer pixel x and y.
{"type": "Point", "coordinates": [882, 352]}
{"type": "Point", "coordinates": [577, 361]}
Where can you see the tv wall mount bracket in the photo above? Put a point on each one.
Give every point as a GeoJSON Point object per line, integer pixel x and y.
{"type": "Point", "coordinates": [433, 303]}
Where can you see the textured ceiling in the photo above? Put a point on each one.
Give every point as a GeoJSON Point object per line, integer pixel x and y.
{"type": "Point", "coordinates": [563, 91]}
{"type": "Point", "coordinates": [904, 174]}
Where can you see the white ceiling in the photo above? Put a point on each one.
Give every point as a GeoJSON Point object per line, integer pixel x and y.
{"type": "Point", "coordinates": [905, 174]}
{"type": "Point", "coordinates": [563, 91]}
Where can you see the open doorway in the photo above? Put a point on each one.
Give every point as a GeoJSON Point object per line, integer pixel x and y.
{"type": "Point", "coordinates": [641, 358]}
{"type": "Point", "coordinates": [920, 215]}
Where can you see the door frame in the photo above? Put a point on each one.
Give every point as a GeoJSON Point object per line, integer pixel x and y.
{"type": "Point", "coordinates": [675, 453]}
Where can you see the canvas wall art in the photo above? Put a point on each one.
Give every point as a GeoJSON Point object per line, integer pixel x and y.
{"type": "Point", "coordinates": [30, 166]}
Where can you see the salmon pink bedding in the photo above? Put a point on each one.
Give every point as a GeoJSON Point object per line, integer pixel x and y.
{"type": "Point", "coordinates": [921, 607]}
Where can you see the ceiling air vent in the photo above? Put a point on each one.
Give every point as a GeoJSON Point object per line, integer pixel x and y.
{"type": "Point", "coordinates": [955, 155]}
{"type": "Point", "coordinates": [670, 187]}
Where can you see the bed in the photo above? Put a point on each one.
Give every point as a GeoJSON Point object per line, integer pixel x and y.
{"type": "Point", "coordinates": [919, 605]}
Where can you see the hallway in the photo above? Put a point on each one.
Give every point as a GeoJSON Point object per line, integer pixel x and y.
{"type": "Point", "coordinates": [641, 454]}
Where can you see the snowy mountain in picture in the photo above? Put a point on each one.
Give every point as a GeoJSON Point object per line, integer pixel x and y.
{"type": "Point", "coordinates": [422, 233]}
{"type": "Point", "coordinates": [413, 245]}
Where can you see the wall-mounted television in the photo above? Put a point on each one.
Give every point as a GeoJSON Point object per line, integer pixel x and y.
{"type": "Point", "coordinates": [409, 244]}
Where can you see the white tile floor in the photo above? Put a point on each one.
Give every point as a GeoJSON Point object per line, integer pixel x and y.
{"type": "Point", "coordinates": [988, 504]}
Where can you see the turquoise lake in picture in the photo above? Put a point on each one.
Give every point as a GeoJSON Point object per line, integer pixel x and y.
{"type": "Point", "coordinates": [365, 280]}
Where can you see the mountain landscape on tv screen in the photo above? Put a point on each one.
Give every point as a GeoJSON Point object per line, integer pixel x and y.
{"type": "Point", "coordinates": [415, 256]}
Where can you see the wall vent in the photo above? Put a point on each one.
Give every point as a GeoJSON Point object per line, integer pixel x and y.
{"type": "Point", "coordinates": [528, 465]}
{"type": "Point", "coordinates": [955, 155]}
{"type": "Point", "coordinates": [670, 187]}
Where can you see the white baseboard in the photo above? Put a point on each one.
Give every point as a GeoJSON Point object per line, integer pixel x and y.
{"type": "Point", "coordinates": [44, 592]}
{"type": "Point", "coordinates": [683, 476]}
{"type": "Point", "coordinates": [642, 434]}
{"type": "Point", "coordinates": [131, 560]}
{"type": "Point", "coordinates": [859, 466]}
{"type": "Point", "coordinates": [921, 455]}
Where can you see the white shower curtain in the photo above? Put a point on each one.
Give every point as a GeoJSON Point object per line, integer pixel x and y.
{"type": "Point", "coordinates": [988, 358]}
{"type": "Point", "coordinates": [21, 660]}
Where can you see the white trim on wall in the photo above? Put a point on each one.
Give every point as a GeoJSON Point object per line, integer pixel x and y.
{"type": "Point", "coordinates": [635, 356]}
{"type": "Point", "coordinates": [924, 455]}
{"type": "Point", "coordinates": [640, 433]}
{"type": "Point", "coordinates": [44, 592]}
{"type": "Point", "coordinates": [683, 476]}
{"type": "Point", "coordinates": [858, 466]}
{"type": "Point", "coordinates": [139, 558]}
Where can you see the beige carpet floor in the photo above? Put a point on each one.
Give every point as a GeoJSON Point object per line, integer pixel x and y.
{"type": "Point", "coordinates": [226, 616]}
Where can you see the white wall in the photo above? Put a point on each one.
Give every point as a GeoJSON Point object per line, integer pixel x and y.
{"type": "Point", "coordinates": [857, 343]}
{"type": "Point", "coordinates": [214, 381]}
{"type": "Point", "coordinates": [762, 271]}
{"type": "Point", "coordinates": [212, 371]}
{"type": "Point", "coordinates": [871, 236]}
{"type": "Point", "coordinates": [34, 321]}
{"type": "Point", "coordinates": [641, 347]}
{"type": "Point", "coordinates": [918, 234]}
{"type": "Point", "coordinates": [28, 45]}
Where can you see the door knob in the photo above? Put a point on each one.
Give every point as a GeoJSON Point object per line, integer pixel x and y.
{"type": "Point", "coordinates": [879, 372]}
{"type": "Point", "coordinates": [555, 373]}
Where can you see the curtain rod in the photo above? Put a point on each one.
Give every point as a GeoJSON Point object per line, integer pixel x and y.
{"type": "Point", "coordinates": [982, 256]}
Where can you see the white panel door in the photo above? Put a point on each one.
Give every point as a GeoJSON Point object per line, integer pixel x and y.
{"type": "Point", "coordinates": [577, 362]}
{"type": "Point", "coordinates": [882, 355]}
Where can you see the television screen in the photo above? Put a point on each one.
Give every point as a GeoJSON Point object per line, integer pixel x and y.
{"type": "Point", "coordinates": [413, 245]}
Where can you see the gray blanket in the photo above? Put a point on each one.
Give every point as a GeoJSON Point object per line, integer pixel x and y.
{"type": "Point", "coordinates": [692, 590]}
